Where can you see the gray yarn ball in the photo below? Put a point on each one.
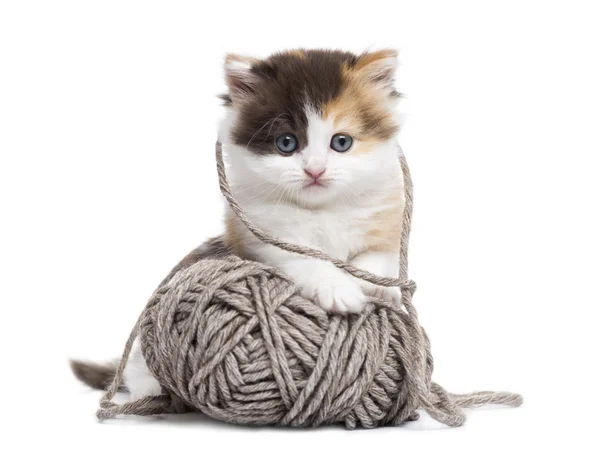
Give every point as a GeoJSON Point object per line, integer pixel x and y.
{"type": "Point", "coordinates": [232, 339]}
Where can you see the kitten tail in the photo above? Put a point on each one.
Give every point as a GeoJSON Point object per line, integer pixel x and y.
{"type": "Point", "coordinates": [97, 376]}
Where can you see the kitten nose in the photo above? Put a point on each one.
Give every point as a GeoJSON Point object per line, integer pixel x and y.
{"type": "Point", "coordinates": [315, 174]}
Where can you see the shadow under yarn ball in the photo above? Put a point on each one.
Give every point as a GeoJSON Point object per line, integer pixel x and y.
{"type": "Point", "coordinates": [232, 339]}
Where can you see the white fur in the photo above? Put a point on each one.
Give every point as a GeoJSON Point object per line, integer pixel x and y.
{"type": "Point", "coordinates": [137, 377]}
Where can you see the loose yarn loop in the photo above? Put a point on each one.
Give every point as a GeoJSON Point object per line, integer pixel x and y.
{"type": "Point", "coordinates": [233, 339]}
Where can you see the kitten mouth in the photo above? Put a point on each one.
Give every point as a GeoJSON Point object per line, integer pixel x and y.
{"type": "Point", "coordinates": [314, 183]}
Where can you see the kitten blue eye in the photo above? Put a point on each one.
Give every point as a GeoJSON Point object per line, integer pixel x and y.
{"type": "Point", "coordinates": [341, 142]}
{"type": "Point", "coordinates": [286, 143]}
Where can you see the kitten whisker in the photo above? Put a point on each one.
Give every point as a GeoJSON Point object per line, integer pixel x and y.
{"type": "Point", "coordinates": [264, 125]}
{"type": "Point", "coordinates": [247, 187]}
{"type": "Point", "coordinates": [263, 191]}
{"type": "Point", "coordinates": [273, 122]}
{"type": "Point", "coordinates": [359, 195]}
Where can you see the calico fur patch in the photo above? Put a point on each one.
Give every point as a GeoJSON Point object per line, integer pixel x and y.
{"type": "Point", "coordinates": [275, 95]}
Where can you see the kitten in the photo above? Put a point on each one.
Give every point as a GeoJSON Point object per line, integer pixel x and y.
{"type": "Point", "coordinates": [310, 139]}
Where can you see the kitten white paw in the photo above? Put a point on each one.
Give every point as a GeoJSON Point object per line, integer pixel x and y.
{"type": "Point", "coordinates": [389, 294]}
{"type": "Point", "coordinates": [336, 292]}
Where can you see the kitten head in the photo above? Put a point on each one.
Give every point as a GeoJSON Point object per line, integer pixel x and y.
{"type": "Point", "coordinates": [319, 125]}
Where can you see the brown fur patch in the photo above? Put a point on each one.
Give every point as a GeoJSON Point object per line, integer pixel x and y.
{"type": "Point", "coordinates": [233, 235]}
{"type": "Point", "coordinates": [279, 89]}
{"type": "Point", "coordinates": [368, 58]}
{"type": "Point", "coordinates": [300, 53]}
{"type": "Point", "coordinates": [362, 106]}
{"type": "Point", "coordinates": [384, 234]}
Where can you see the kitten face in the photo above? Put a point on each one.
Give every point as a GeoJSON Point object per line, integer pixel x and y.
{"type": "Point", "coordinates": [317, 125]}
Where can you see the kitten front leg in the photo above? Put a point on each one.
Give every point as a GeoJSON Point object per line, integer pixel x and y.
{"type": "Point", "coordinates": [329, 287]}
{"type": "Point", "coordinates": [381, 263]}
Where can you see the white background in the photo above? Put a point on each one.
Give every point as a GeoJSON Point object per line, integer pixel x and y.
{"type": "Point", "coordinates": [107, 121]}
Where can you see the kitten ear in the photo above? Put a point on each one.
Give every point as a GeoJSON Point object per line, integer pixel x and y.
{"type": "Point", "coordinates": [239, 77]}
{"type": "Point", "coordinates": [379, 68]}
